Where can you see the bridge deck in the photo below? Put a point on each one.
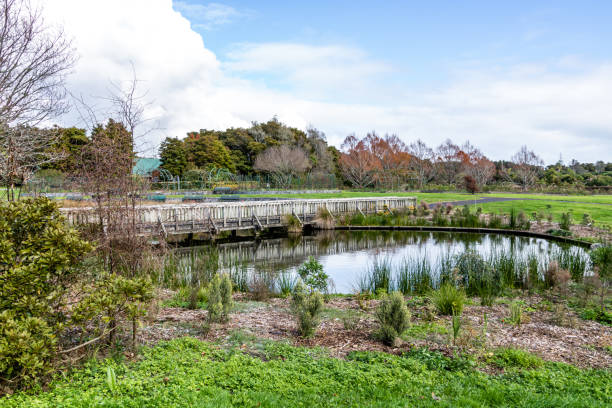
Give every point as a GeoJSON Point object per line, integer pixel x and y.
{"type": "Point", "coordinates": [216, 217]}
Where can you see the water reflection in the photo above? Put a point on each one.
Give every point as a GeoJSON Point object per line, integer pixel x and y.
{"type": "Point", "coordinates": [346, 254]}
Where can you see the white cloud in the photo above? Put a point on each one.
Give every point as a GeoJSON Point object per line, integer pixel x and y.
{"type": "Point", "coordinates": [313, 71]}
{"type": "Point", "coordinates": [496, 109]}
{"type": "Point", "coordinates": [207, 16]}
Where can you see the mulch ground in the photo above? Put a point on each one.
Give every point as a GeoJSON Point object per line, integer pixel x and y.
{"type": "Point", "coordinates": [565, 338]}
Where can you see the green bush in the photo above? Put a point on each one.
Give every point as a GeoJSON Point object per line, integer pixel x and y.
{"type": "Point", "coordinates": [37, 258]}
{"type": "Point", "coordinates": [448, 298]}
{"type": "Point", "coordinates": [313, 276]}
{"type": "Point", "coordinates": [226, 296]}
{"type": "Point", "coordinates": [566, 221]}
{"type": "Point", "coordinates": [215, 303]}
{"type": "Point", "coordinates": [306, 305]}
{"type": "Point", "coordinates": [393, 317]}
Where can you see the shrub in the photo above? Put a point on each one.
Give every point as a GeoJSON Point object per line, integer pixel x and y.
{"type": "Point", "coordinates": [38, 254]}
{"type": "Point", "coordinates": [516, 313]}
{"type": "Point", "coordinates": [470, 184]}
{"type": "Point", "coordinates": [306, 306]}
{"type": "Point", "coordinates": [313, 276]}
{"type": "Point", "coordinates": [448, 298]}
{"type": "Point", "coordinates": [566, 221]}
{"type": "Point", "coordinates": [226, 296]}
{"type": "Point", "coordinates": [602, 261]}
{"type": "Point", "coordinates": [215, 305]}
{"type": "Point", "coordinates": [393, 317]}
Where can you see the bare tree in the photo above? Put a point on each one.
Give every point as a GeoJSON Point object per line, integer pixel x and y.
{"type": "Point", "coordinates": [23, 149]}
{"type": "Point", "coordinates": [526, 167]}
{"type": "Point", "coordinates": [475, 164]}
{"type": "Point", "coordinates": [447, 162]}
{"type": "Point", "coordinates": [421, 161]}
{"type": "Point", "coordinates": [282, 163]}
{"type": "Point", "coordinates": [34, 62]}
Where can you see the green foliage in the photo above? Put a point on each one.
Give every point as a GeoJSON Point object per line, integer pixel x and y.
{"type": "Point", "coordinates": [456, 324]}
{"type": "Point", "coordinates": [312, 274]}
{"type": "Point", "coordinates": [393, 318]}
{"type": "Point", "coordinates": [38, 254]}
{"type": "Point", "coordinates": [448, 298]}
{"type": "Point", "coordinates": [173, 156]}
{"type": "Point", "coordinates": [602, 260]}
{"type": "Point", "coordinates": [111, 379]}
{"type": "Point", "coordinates": [215, 302]}
{"type": "Point", "coordinates": [566, 221]}
{"type": "Point", "coordinates": [226, 296]}
{"type": "Point", "coordinates": [187, 372]}
{"type": "Point", "coordinates": [205, 149]}
{"type": "Point", "coordinates": [306, 305]}
{"type": "Point", "coordinates": [515, 358]}
{"type": "Point", "coordinates": [516, 313]}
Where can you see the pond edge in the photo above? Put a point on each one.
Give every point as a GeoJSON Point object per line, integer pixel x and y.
{"type": "Point", "coordinates": [463, 229]}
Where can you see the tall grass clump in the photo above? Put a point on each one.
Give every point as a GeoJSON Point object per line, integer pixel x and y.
{"type": "Point", "coordinates": [393, 318]}
{"type": "Point", "coordinates": [324, 219]}
{"type": "Point", "coordinates": [566, 221]}
{"type": "Point", "coordinates": [239, 273]}
{"type": "Point", "coordinates": [478, 277]}
{"type": "Point", "coordinates": [293, 224]}
{"type": "Point", "coordinates": [448, 298]}
{"type": "Point", "coordinates": [378, 277]}
{"type": "Point", "coordinates": [572, 260]}
{"type": "Point", "coordinates": [285, 284]}
{"type": "Point", "coordinates": [414, 276]}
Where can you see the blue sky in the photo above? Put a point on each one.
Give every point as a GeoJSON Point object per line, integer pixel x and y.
{"type": "Point", "coordinates": [426, 43]}
{"type": "Point", "coordinates": [499, 74]}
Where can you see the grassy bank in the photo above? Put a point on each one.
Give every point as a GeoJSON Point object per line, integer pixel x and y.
{"type": "Point", "coordinates": [187, 372]}
{"type": "Point", "coordinates": [597, 206]}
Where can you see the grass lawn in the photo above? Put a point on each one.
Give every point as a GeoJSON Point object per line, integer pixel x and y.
{"type": "Point", "coordinates": [597, 206]}
{"type": "Point", "coordinates": [191, 373]}
{"type": "Point", "coordinates": [601, 213]}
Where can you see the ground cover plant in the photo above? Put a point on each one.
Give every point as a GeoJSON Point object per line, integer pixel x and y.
{"type": "Point", "coordinates": [188, 372]}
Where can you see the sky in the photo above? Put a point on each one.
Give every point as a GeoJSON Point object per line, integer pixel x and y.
{"type": "Point", "coordinates": [499, 74]}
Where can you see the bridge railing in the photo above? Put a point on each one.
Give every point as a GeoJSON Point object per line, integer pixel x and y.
{"type": "Point", "coordinates": [218, 212]}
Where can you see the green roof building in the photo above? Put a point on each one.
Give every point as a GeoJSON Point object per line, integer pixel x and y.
{"type": "Point", "coordinates": [144, 166]}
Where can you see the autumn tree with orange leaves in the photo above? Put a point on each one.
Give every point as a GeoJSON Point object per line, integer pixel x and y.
{"type": "Point", "coordinates": [374, 160]}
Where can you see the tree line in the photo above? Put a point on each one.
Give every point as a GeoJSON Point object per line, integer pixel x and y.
{"type": "Point", "coordinates": [373, 161]}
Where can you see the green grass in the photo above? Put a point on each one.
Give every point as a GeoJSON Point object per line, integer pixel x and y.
{"type": "Point", "coordinates": [191, 373]}
{"type": "Point", "coordinates": [597, 206]}
{"type": "Point", "coordinates": [601, 213]}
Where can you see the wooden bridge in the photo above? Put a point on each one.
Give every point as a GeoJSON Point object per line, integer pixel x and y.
{"type": "Point", "coordinates": [216, 217]}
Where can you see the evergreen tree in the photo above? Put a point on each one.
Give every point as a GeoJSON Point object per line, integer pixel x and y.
{"type": "Point", "coordinates": [173, 156]}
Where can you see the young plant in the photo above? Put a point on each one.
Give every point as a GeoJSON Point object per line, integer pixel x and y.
{"type": "Point", "coordinates": [393, 317]}
{"type": "Point", "coordinates": [602, 261]}
{"type": "Point", "coordinates": [225, 289]}
{"type": "Point", "coordinates": [566, 221]}
{"type": "Point", "coordinates": [516, 313]}
{"type": "Point", "coordinates": [306, 306]}
{"type": "Point", "coordinates": [215, 304]}
{"type": "Point", "coordinates": [313, 276]}
{"type": "Point", "coordinates": [448, 298]}
{"type": "Point", "coordinates": [111, 379]}
{"type": "Point", "coordinates": [456, 323]}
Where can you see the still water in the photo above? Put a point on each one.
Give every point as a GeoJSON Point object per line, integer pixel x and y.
{"type": "Point", "coordinates": [347, 255]}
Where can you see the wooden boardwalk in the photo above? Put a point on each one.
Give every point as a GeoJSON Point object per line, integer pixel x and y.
{"type": "Point", "coordinates": [216, 217]}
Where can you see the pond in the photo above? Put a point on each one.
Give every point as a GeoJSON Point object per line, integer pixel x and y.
{"type": "Point", "coordinates": [351, 258]}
